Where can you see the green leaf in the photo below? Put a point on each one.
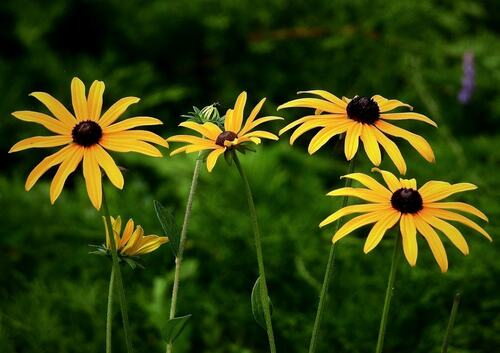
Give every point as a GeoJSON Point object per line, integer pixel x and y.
{"type": "Point", "coordinates": [174, 327]}
{"type": "Point", "coordinates": [169, 225]}
{"type": "Point", "coordinates": [257, 307]}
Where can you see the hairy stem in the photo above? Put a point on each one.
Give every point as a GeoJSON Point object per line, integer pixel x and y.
{"type": "Point", "coordinates": [109, 315]}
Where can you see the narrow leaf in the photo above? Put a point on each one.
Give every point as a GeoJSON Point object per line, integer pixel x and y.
{"type": "Point", "coordinates": [173, 328]}
{"type": "Point", "coordinates": [257, 305]}
{"type": "Point", "coordinates": [169, 225]}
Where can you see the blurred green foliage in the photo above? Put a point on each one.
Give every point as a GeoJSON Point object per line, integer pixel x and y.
{"type": "Point", "coordinates": [175, 54]}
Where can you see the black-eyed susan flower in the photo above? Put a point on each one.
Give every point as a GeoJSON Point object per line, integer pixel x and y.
{"type": "Point", "coordinates": [234, 134]}
{"type": "Point", "coordinates": [132, 242]}
{"type": "Point", "coordinates": [86, 135]}
{"type": "Point", "coordinates": [358, 118]}
{"type": "Point", "coordinates": [416, 209]}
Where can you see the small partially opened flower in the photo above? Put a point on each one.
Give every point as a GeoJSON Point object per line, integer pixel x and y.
{"type": "Point", "coordinates": [416, 209]}
{"type": "Point", "coordinates": [132, 242]}
{"type": "Point", "coordinates": [237, 131]}
{"type": "Point", "coordinates": [359, 118]}
{"type": "Point", "coordinates": [86, 136]}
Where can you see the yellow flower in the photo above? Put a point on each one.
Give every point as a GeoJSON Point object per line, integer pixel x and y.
{"type": "Point", "coordinates": [360, 118]}
{"type": "Point", "coordinates": [234, 134]}
{"type": "Point", "coordinates": [416, 209]}
{"type": "Point", "coordinates": [132, 242]}
{"type": "Point", "coordinates": [86, 135]}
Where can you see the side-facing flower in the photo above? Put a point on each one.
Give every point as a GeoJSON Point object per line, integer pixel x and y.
{"type": "Point", "coordinates": [132, 242]}
{"type": "Point", "coordinates": [416, 209]}
{"type": "Point", "coordinates": [235, 133]}
{"type": "Point", "coordinates": [359, 118]}
{"type": "Point", "coordinates": [86, 136]}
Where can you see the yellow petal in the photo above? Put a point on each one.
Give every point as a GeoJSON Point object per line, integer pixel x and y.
{"type": "Point", "coordinates": [448, 230]}
{"type": "Point", "coordinates": [48, 122]}
{"type": "Point", "coordinates": [262, 134]}
{"type": "Point", "coordinates": [212, 158]}
{"type": "Point", "coordinates": [328, 96]}
{"type": "Point", "coordinates": [452, 216]}
{"type": "Point", "coordinates": [127, 233]}
{"type": "Point", "coordinates": [365, 194]}
{"type": "Point", "coordinates": [41, 142]}
{"type": "Point", "coordinates": [459, 206]}
{"type": "Point", "coordinates": [110, 168]}
{"type": "Point", "coordinates": [314, 103]}
{"type": "Point", "coordinates": [370, 183]}
{"type": "Point", "coordinates": [407, 116]}
{"type": "Point", "coordinates": [134, 240]}
{"type": "Point", "coordinates": [370, 144]}
{"type": "Point", "coordinates": [150, 243]}
{"type": "Point", "coordinates": [356, 223]}
{"type": "Point", "coordinates": [418, 142]}
{"type": "Point", "coordinates": [128, 124]}
{"type": "Point", "coordinates": [325, 134]}
{"type": "Point", "coordinates": [390, 179]}
{"type": "Point", "coordinates": [434, 242]}
{"type": "Point", "coordinates": [239, 106]}
{"type": "Point", "coordinates": [191, 139]}
{"type": "Point", "coordinates": [121, 145]}
{"type": "Point", "coordinates": [94, 100]}
{"type": "Point", "coordinates": [55, 107]}
{"type": "Point", "coordinates": [409, 234]}
{"type": "Point", "coordinates": [46, 164]}
{"type": "Point", "coordinates": [364, 208]}
{"type": "Point", "coordinates": [79, 99]}
{"type": "Point", "coordinates": [257, 122]}
{"type": "Point", "coordinates": [386, 105]}
{"type": "Point", "coordinates": [379, 229]}
{"type": "Point", "coordinates": [72, 159]}
{"type": "Point", "coordinates": [352, 140]}
{"type": "Point", "coordinates": [408, 183]}
{"type": "Point", "coordinates": [392, 151]}
{"type": "Point", "coordinates": [253, 114]}
{"type": "Point", "coordinates": [436, 190]}
{"type": "Point", "coordinates": [116, 110]}
{"type": "Point", "coordinates": [92, 175]}
{"type": "Point", "coordinates": [203, 129]}
{"type": "Point", "coordinates": [141, 135]}
{"type": "Point", "coordinates": [228, 121]}
{"type": "Point", "coordinates": [309, 125]}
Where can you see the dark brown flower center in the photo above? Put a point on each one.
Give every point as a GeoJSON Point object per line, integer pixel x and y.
{"type": "Point", "coordinates": [225, 136]}
{"type": "Point", "coordinates": [407, 200]}
{"type": "Point", "coordinates": [86, 133]}
{"type": "Point", "coordinates": [363, 109]}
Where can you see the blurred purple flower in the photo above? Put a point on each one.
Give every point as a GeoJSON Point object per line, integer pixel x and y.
{"type": "Point", "coordinates": [468, 78]}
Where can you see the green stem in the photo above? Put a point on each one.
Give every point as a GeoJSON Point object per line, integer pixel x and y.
{"type": "Point", "coordinates": [182, 241]}
{"type": "Point", "coordinates": [453, 314]}
{"type": "Point", "coordinates": [118, 273]}
{"type": "Point", "coordinates": [264, 296]}
{"type": "Point", "coordinates": [328, 274]}
{"type": "Point", "coordinates": [109, 316]}
{"type": "Point", "coordinates": [388, 294]}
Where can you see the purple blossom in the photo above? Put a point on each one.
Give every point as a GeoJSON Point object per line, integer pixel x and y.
{"type": "Point", "coordinates": [468, 78]}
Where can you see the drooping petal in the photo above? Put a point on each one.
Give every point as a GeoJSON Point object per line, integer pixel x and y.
{"type": "Point", "coordinates": [309, 125]}
{"type": "Point", "coordinates": [370, 144]}
{"type": "Point", "coordinates": [109, 166]}
{"type": "Point", "coordinates": [365, 194]}
{"type": "Point", "coordinates": [117, 109]}
{"type": "Point", "coordinates": [56, 108]}
{"type": "Point", "coordinates": [325, 134]}
{"type": "Point", "coordinates": [452, 216]}
{"type": "Point", "coordinates": [392, 151]}
{"type": "Point", "coordinates": [418, 142]}
{"type": "Point", "coordinates": [370, 183]}
{"type": "Point", "coordinates": [94, 100]}
{"type": "Point", "coordinates": [363, 208]}
{"type": "Point", "coordinates": [314, 103]}
{"type": "Point", "coordinates": [307, 118]}
{"type": "Point", "coordinates": [450, 231]}
{"type": "Point", "coordinates": [92, 175]}
{"type": "Point", "coordinates": [130, 123]}
{"type": "Point", "coordinates": [212, 158]}
{"type": "Point", "coordinates": [434, 242]}
{"type": "Point", "coordinates": [73, 158]}
{"type": "Point", "coordinates": [141, 135]}
{"type": "Point", "coordinates": [41, 142]}
{"type": "Point", "coordinates": [390, 179]}
{"type": "Point", "coordinates": [409, 235]}
{"type": "Point", "coordinates": [433, 191]}
{"type": "Point", "coordinates": [46, 164]}
{"type": "Point", "coordinates": [408, 116]}
{"type": "Point", "coordinates": [379, 229]}
{"type": "Point", "coordinates": [79, 99]}
{"type": "Point", "coordinates": [352, 140]}
{"type": "Point", "coordinates": [356, 223]}
{"type": "Point", "coordinates": [459, 206]}
{"type": "Point", "coordinates": [119, 145]}
{"type": "Point", "coordinates": [47, 121]}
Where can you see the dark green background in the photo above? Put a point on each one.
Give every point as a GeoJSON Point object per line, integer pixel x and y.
{"type": "Point", "coordinates": [175, 54]}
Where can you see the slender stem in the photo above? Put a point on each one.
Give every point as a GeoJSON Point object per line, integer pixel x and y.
{"type": "Point", "coordinates": [118, 273]}
{"type": "Point", "coordinates": [388, 294]}
{"type": "Point", "coordinates": [182, 241]}
{"type": "Point", "coordinates": [109, 316]}
{"type": "Point", "coordinates": [264, 296]}
{"type": "Point", "coordinates": [328, 274]}
{"type": "Point", "coordinates": [453, 314]}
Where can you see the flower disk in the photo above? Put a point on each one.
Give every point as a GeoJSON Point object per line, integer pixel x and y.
{"type": "Point", "coordinates": [86, 133]}
{"type": "Point", "coordinates": [225, 136]}
{"type": "Point", "coordinates": [363, 109]}
{"type": "Point", "coordinates": [415, 209]}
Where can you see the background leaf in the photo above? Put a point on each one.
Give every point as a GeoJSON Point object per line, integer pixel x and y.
{"type": "Point", "coordinates": [169, 225]}
{"type": "Point", "coordinates": [257, 305]}
{"type": "Point", "coordinates": [173, 328]}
